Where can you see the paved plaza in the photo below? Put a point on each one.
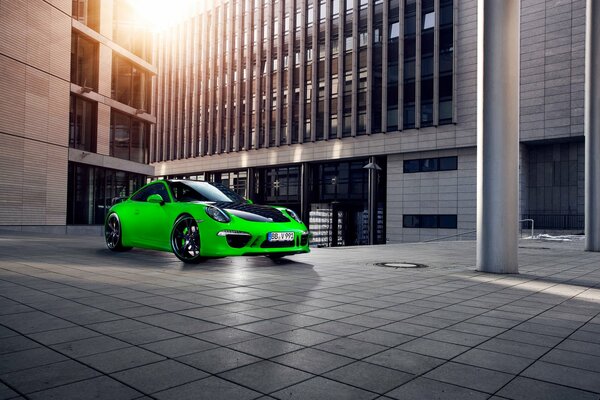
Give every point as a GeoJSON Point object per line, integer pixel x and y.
{"type": "Point", "coordinates": [80, 322]}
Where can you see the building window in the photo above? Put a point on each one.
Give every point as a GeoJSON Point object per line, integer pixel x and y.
{"type": "Point", "coordinates": [84, 62]}
{"type": "Point", "coordinates": [128, 138]}
{"type": "Point", "coordinates": [131, 85]}
{"type": "Point", "coordinates": [390, 67]}
{"type": "Point", "coordinates": [235, 181]}
{"type": "Point", "coordinates": [128, 32]}
{"type": "Point", "coordinates": [278, 185]}
{"type": "Point", "coordinates": [343, 181]}
{"type": "Point", "coordinates": [448, 163]}
{"type": "Point", "coordinates": [87, 12]}
{"type": "Point", "coordinates": [431, 164]}
{"type": "Point", "coordinates": [91, 191]}
{"type": "Point", "coordinates": [427, 50]}
{"type": "Point", "coordinates": [82, 124]}
{"type": "Point", "coordinates": [409, 109]}
{"type": "Point", "coordinates": [446, 62]}
{"type": "Point", "coordinates": [429, 221]}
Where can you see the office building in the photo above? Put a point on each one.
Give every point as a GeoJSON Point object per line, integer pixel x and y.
{"type": "Point", "coordinates": [75, 102]}
{"type": "Point", "coordinates": [355, 113]}
{"type": "Point", "coordinates": [288, 102]}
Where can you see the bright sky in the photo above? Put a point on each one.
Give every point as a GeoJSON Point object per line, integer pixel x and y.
{"type": "Point", "coordinates": [163, 13]}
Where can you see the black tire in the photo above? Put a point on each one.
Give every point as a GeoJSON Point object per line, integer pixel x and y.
{"type": "Point", "coordinates": [185, 240]}
{"type": "Point", "coordinates": [113, 234]}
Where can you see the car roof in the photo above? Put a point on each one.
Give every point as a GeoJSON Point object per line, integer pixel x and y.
{"type": "Point", "coordinates": [186, 180]}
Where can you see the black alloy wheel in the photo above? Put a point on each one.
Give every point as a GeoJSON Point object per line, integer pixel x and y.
{"type": "Point", "coordinates": [113, 233]}
{"type": "Point", "coordinates": [185, 240]}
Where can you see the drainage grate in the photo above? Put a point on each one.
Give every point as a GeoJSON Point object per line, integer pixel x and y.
{"type": "Point", "coordinates": [400, 264]}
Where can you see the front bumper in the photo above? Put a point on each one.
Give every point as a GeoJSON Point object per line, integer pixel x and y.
{"type": "Point", "coordinates": [247, 242]}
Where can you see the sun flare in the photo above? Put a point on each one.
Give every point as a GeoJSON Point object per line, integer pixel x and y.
{"type": "Point", "coordinates": [161, 14]}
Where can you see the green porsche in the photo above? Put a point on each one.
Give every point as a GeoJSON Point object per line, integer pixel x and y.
{"type": "Point", "coordinates": [199, 220]}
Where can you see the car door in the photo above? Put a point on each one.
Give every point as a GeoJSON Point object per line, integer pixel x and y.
{"type": "Point", "coordinates": [151, 221]}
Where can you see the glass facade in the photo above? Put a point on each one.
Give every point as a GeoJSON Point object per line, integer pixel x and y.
{"type": "Point", "coordinates": [338, 194]}
{"type": "Point", "coordinates": [82, 124]}
{"type": "Point", "coordinates": [555, 185]}
{"type": "Point", "coordinates": [128, 137]}
{"type": "Point", "coordinates": [91, 191]}
{"type": "Point", "coordinates": [84, 62]}
{"type": "Point", "coordinates": [273, 73]}
{"type": "Point", "coordinates": [340, 181]}
{"type": "Point", "coordinates": [334, 204]}
{"type": "Point", "coordinates": [92, 188]}
{"type": "Point", "coordinates": [431, 164]}
{"type": "Point", "coordinates": [235, 180]}
{"type": "Point", "coordinates": [128, 32]}
{"type": "Point", "coordinates": [429, 221]}
{"type": "Point", "coordinates": [131, 84]}
{"type": "Point", "coordinates": [279, 185]}
{"type": "Point", "coordinates": [87, 12]}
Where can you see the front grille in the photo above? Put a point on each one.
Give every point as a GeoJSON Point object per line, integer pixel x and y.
{"type": "Point", "coordinates": [263, 211]}
{"type": "Point", "coordinates": [276, 245]}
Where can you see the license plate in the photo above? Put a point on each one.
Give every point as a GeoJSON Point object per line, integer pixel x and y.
{"type": "Point", "coordinates": [280, 236]}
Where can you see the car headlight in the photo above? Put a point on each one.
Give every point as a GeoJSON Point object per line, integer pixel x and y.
{"type": "Point", "coordinates": [217, 214]}
{"type": "Point", "coordinates": [293, 215]}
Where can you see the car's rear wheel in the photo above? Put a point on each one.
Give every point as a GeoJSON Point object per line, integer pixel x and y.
{"type": "Point", "coordinates": [113, 234]}
{"type": "Point", "coordinates": [185, 240]}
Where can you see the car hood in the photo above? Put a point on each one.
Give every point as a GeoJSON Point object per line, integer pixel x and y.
{"type": "Point", "coordinates": [253, 212]}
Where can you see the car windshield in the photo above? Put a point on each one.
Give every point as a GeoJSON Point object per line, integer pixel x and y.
{"type": "Point", "coordinates": [203, 191]}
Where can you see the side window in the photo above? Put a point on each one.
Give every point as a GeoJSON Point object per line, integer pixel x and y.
{"type": "Point", "coordinates": [157, 188]}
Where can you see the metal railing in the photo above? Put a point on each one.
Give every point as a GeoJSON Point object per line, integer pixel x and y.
{"type": "Point", "coordinates": [449, 236]}
{"type": "Point", "coordinates": [474, 231]}
{"type": "Point", "coordinates": [521, 227]}
{"type": "Point", "coordinates": [557, 221]}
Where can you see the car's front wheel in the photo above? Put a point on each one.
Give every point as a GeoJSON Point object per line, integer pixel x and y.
{"type": "Point", "coordinates": [113, 234]}
{"type": "Point", "coordinates": [185, 240]}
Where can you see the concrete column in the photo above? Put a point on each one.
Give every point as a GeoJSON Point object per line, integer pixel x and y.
{"type": "Point", "coordinates": [592, 126]}
{"type": "Point", "coordinates": [498, 135]}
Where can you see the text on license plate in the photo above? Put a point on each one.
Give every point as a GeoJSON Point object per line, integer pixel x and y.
{"type": "Point", "coordinates": [280, 236]}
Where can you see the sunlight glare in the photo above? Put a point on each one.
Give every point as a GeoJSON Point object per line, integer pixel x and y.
{"type": "Point", "coordinates": [161, 14]}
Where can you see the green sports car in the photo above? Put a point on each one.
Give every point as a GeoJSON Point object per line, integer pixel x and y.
{"type": "Point", "coordinates": [199, 220]}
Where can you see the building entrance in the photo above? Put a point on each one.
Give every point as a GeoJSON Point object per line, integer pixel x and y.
{"type": "Point", "coordinates": [338, 213]}
{"type": "Point", "coordinates": [338, 224]}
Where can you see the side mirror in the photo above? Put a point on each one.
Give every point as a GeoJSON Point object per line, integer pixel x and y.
{"type": "Point", "coordinates": [155, 198]}
{"type": "Point", "coordinates": [249, 201]}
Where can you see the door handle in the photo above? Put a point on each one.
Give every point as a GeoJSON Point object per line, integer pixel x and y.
{"type": "Point", "coordinates": [136, 212]}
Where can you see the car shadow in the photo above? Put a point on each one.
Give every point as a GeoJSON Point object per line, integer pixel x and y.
{"type": "Point", "coordinates": [140, 258]}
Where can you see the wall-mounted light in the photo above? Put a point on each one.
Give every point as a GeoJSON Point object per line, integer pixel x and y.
{"type": "Point", "coordinates": [140, 111]}
{"type": "Point", "coordinates": [85, 89]}
{"type": "Point", "coordinates": [372, 165]}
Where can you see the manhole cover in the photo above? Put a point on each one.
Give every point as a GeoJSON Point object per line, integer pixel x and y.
{"type": "Point", "coordinates": [400, 265]}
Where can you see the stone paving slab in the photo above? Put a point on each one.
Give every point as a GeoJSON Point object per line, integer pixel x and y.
{"type": "Point", "coordinates": [78, 321]}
